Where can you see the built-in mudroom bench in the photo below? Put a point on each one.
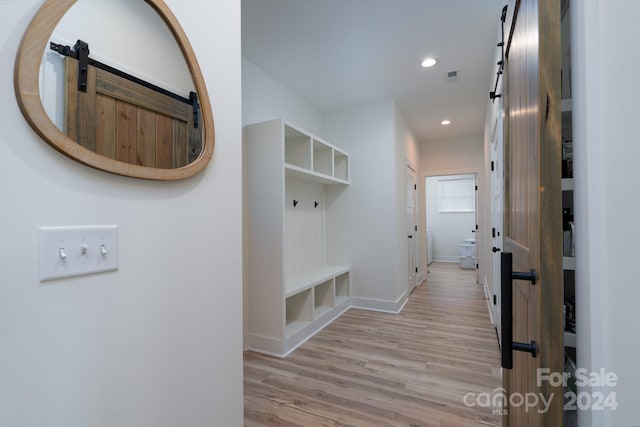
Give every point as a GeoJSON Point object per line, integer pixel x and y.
{"type": "Point", "coordinates": [290, 290]}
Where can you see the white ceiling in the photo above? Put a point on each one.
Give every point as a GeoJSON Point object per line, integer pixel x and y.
{"type": "Point", "coordinates": [345, 53]}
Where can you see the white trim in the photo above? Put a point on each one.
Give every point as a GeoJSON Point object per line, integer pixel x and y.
{"type": "Point", "coordinates": [416, 243]}
{"type": "Point", "coordinates": [451, 259]}
{"type": "Point", "coordinates": [262, 344]}
{"type": "Point", "coordinates": [384, 306]}
{"type": "Point", "coordinates": [448, 172]}
{"type": "Point", "coordinates": [489, 300]}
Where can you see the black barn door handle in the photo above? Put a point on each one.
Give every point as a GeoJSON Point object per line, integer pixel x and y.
{"type": "Point", "coordinates": [507, 275]}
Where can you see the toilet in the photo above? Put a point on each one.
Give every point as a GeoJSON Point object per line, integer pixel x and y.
{"type": "Point", "coordinates": [467, 253]}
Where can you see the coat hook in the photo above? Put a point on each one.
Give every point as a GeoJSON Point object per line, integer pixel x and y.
{"type": "Point", "coordinates": [316, 204]}
{"type": "Point", "coordinates": [295, 203]}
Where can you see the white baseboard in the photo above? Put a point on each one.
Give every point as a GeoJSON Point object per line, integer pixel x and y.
{"type": "Point", "coordinates": [384, 306]}
{"type": "Point", "coordinates": [446, 259]}
{"type": "Point", "coordinates": [266, 345]}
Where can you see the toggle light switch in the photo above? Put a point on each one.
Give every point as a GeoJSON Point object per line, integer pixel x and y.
{"type": "Point", "coordinates": [76, 251]}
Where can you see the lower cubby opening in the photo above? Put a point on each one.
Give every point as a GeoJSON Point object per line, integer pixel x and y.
{"type": "Point", "coordinates": [299, 311]}
{"type": "Point", "coordinates": [323, 298]}
{"type": "Point", "coordinates": [342, 288]}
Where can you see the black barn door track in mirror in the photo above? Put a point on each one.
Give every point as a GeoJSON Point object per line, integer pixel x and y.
{"type": "Point", "coordinates": [113, 120]}
{"type": "Point", "coordinates": [106, 103]}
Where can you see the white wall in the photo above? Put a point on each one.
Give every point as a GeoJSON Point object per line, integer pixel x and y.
{"type": "Point", "coordinates": [456, 156]}
{"type": "Point", "coordinates": [363, 230]}
{"type": "Point", "coordinates": [159, 341]}
{"type": "Point", "coordinates": [264, 98]}
{"type": "Point", "coordinates": [605, 164]}
{"type": "Point", "coordinates": [367, 228]}
{"type": "Point", "coordinates": [448, 229]}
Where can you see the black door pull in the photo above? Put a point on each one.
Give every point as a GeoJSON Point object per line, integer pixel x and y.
{"type": "Point", "coordinates": [507, 276]}
{"type": "Point", "coordinates": [410, 236]}
{"type": "Point", "coordinates": [494, 249]}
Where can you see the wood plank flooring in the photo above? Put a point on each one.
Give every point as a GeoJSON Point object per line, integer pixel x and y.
{"type": "Point", "coordinates": [377, 369]}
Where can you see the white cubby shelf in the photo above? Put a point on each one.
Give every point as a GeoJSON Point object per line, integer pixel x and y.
{"type": "Point", "coordinates": [292, 292]}
{"type": "Point", "coordinates": [300, 282]}
{"type": "Point", "coordinates": [308, 157]}
{"type": "Point", "coordinates": [312, 297]}
{"type": "Point", "coordinates": [314, 304]}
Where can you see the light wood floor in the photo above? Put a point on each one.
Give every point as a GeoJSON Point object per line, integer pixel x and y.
{"type": "Point", "coordinates": [376, 369]}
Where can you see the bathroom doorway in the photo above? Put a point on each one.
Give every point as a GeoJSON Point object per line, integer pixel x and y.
{"type": "Point", "coordinates": [451, 218]}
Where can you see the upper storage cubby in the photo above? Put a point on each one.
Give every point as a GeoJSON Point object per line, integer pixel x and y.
{"type": "Point", "coordinates": [340, 165]}
{"type": "Point", "coordinates": [312, 159]}
{"type": "Point", "coordinates": [297, 148]}
{"type": "Point", "coordinates": [322, 158]}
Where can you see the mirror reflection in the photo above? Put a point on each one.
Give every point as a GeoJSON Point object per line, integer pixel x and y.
{"type": "Point", "coordinates": [115, 81]}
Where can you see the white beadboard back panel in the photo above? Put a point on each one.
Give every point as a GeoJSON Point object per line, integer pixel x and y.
{"type": "Point", "coordinates": [304, 226]}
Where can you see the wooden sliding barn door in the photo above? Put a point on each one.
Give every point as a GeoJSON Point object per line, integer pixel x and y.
{"type": "Point", "coordinates": [533, 227]}
{"type": "Point", "coordinates": [128, 122]}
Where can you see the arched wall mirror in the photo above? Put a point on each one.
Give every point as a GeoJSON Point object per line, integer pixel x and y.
{"type": "Point", "coordinates": [115, 85]}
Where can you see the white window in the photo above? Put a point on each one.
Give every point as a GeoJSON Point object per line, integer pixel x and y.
{"type": "Point", "coordinates": [456, 194]}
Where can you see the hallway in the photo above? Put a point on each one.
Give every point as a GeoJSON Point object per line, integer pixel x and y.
{"type": "Point", "coordinates": [378, 369]}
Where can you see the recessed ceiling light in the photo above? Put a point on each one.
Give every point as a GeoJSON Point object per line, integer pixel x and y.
{"type": "Point", "coordinates": [445, 122]}
{"type": "Point", "coordinates": [429, 62]}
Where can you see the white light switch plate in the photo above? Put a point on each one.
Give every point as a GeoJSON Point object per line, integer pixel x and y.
{"type": "Point", "coordinates": [76, 251]}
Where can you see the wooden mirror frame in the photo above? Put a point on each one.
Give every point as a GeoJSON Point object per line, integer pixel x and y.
{"type": "Point", "coordinates": [26, 83]}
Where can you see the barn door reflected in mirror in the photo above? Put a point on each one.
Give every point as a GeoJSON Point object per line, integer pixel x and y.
{"type": "Point", "coordinates": [119, 83]}
{"type": "Point", "coordinates": [136, 101]}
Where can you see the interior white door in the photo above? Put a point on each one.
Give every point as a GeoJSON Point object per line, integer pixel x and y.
{"type": "Point", "coordinates": [412, 228]}
{"type": "Point", "coordinates": [476, 225]}
{"type": "Point", "coordinates": [497, 212]}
